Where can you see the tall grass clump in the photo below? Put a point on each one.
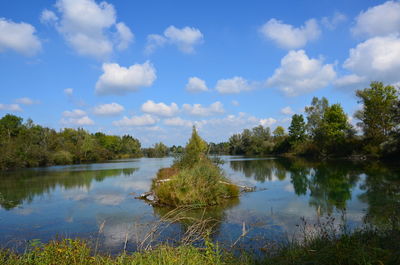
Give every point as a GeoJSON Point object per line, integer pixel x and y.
{"type": "Point", "coordinates": [193, 179]}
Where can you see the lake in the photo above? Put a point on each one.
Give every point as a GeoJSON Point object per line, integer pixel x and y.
{"type": "Point", "coordinates": [96, 201]}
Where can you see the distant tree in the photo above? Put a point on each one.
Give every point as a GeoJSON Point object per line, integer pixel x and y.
{"type": "Point", "coordinates": [377, 116]}
{"type": "Point", "coordinates": [279, 132]}
{"type": "Point", "coordinates": [315, 113]}
{"type": "Point", "coordinates": [160, 149]}
{"type": "Point", "coordinates": [10, 125]}
{"type": "Point", "coordinates": [334, 128]}
{"type": "Point", "coordinates": [297, 129]}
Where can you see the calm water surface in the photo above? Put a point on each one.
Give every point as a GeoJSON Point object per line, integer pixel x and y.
{"type": "Point", "coordinates": [75, 201]}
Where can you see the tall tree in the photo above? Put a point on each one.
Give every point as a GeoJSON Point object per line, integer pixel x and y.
{"type": "Point", "coordinates": [315, 113]}
{"type": "Point", "coordinates": [377, 116]}
{"type": "Point", "coordinates": [297, 129]}
{"type": "Point", "coordinates": [334, 128]}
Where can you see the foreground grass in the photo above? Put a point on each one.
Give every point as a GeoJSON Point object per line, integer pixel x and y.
{"type": "Point", "coordinates": [361, 247]}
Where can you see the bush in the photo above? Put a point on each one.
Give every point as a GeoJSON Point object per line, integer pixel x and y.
{"type": "Point", "coordinates": [62, 158]}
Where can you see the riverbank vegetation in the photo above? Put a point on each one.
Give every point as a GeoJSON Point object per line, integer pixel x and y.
{"type": "Point", "coordinates": [193, 179]}
{"type": "Point", "coordinates": [326, 131]}
{"type": "Point", "coordinates": [364, 246]}
{"type": "Point", "coordinates": [25, 144]}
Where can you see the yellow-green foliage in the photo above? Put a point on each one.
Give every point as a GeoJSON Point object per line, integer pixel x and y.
{"type": "Point", "coordinates": [202, 185]}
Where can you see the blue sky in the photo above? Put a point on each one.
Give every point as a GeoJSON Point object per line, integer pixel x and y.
{"type": "Point", "coordinates": [152, 69]}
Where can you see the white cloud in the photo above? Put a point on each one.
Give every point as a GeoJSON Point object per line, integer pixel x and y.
{"type": "Point", "coordinates": [185, 39]}
{"type": "Point", "coordinates": [289, 37]}
{"type": "Point", "coordinates": [349, 81]}
{"type": "Point", "coordinates": [380, 20]}
{"type": "Point", "coordinates": [160, 109]}
{"type": "Point", "coordinates": [300, 74]}
{"type": "Point", "coordinates": [268, 122]}
{"type": "Point", "coordinates": [143, 120]}
{"type": "Point", "coordinates": [89, 27]}
{"type": "Point", "coordinates": [10, 107]}
{"type": "Point", "coordinates": [235, 103]}
{"type": "Point", "coordinates": [79, 121]}
{"type": "Point", "coordinates": [179, 122]}
{"type": "Point", "coordinates": [125, 36]}
{"type": "Point", "coordinates": [108, 109]}
{"type": "Point", "coordinates": [117, 79]}
{"type": "Point", "coordinates": [198, 110]}
{"type": "Point", "coordinates": [287, 111]}
{"type": "Point", "coordinates": [376, 59]}
{"type": "Point", "coordinates": [234, 85]}
{"type": "Point", "coordinates": [196, 84]}
{"type": "Point", "coordinates": [19, 37]}
{"type": "Point", "coordinates": [74, 113]}
{"type": "Point", "coordinates": [332, 22]}
{"type": "Point", "coordinates": [26, 101]}
{"type": "Point", "coordinates": [68, 91]}
{"type": "Point", "coordinates": [48, 17]}
{"type": "Point", "coordinates": [153, 42]}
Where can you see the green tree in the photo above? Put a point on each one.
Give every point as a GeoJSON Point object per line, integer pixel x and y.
{"type": "Point", "coordinates": [279, 132]}
{"type": "Point", "coordinates": [315, 113]}
{"type": "Point", "coordinates": [195, 150]}
{"type": "Point", "coordinates": [377, 116]}
{"type": "Point", "coordinates": [297, 129]}
{"type": "Point", "coordinates": [334, 129]}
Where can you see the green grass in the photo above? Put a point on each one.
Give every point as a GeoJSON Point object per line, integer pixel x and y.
{"type": "Point", "coordinates": [361, 247]}
{"type": "Point", "coordinates": [71, 252]}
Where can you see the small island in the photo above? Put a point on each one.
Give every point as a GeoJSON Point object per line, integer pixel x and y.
{"type": "Point", "coordinates": [193, 179]}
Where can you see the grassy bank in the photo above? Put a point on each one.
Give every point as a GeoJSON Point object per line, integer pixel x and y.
{"type": "Point", "coordinates": [360, 247]}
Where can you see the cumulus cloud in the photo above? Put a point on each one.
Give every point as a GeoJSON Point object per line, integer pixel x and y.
{"type": "Point", "coordinates": [375, 59]}
{"type": "Point", "coordinates": [300, 74]}
{"type": "Point", "coordinates": [198, 110]}
{"type": "Point", "coordinates": [124, 35]}
{"type": "Point", "coordinates": [89, 28]}
{"type": "Point", "coordinates": [234, 85]}
{"type": "Point", "coordinates": [48, 17]}
{"type": "Point", "coordinates": [380, 20]}
{"type": "Point", "coordinates": [26, 101]}
{"type": "Point", "coordinates": [287, 111]}
{"type": "Point", "coordinates": [74, 113]}
{"type": "Point", "coordinates": [350, 81]}
{"type": "Point", "coordinates": [268, 122]}
{"type": "Point", "coordinates": [19, 37]}
{"type": "Point", "coordinates": [10, 107]}
{"type": "Point", "coordinates": [117, 79]}
{"type": "Point", "coordinates": [289, 37]}
{"type": "Point", "coordinates": [108, 109]}
{"type": "Point", "coordinates": [185, 39]}
{"type": "Point", "coordinates": [179, 122]}
{"type": "Point", "coordinates": [196, 84]}
{"type": "Point", "coordinates": [77, 121]}
{"type": "Point", "coordinates": [143, 120]}
{"type": "Point", "coordinates": [332, 22]}
{"type": "Point", "coordinates": [160, 109]}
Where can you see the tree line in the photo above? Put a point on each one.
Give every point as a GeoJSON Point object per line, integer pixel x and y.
{"type": "Point", "coordinates": [31, 145]}
{"type": "Point", "coordinates": [325, 130]}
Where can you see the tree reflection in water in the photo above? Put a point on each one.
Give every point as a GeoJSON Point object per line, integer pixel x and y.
{"type": "Point", "coordinates": [23, 186]}
{"type": "Point", "coordinates": [329, 184]}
